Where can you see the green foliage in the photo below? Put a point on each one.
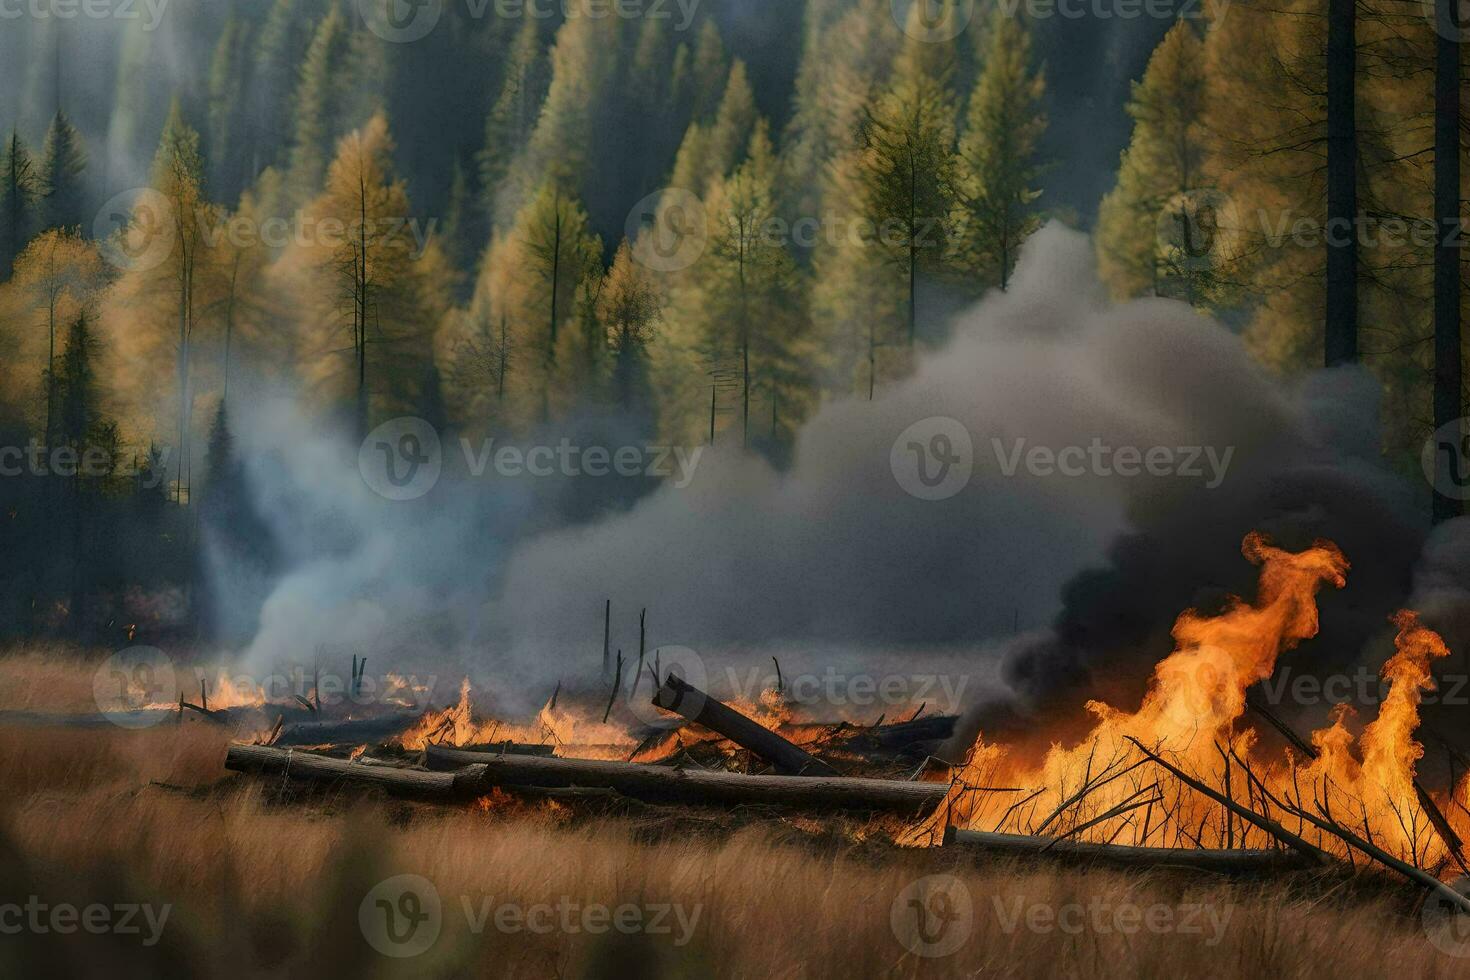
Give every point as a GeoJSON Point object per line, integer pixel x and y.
{"type": "Point", "coordinates": [906, 165]}
{"type": "Point", "coordinates": [1164, 161]}
{"type": "Point", "coordinates": [999, 170]}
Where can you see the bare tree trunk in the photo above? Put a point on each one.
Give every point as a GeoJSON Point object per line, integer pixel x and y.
{"type": "Point", "coordinates": [1447, 353]}
{"type": "Point", "coordinates": [1341, 335]}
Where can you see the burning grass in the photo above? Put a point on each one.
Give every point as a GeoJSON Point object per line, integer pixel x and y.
{"type": "Point", "coordinates": [258, 887]}
{"type": "Point", "coordinates": [1103, 788]}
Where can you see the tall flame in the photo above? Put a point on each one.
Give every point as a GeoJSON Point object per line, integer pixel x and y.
{"type": "Point", "coordinates": [1191, 714]}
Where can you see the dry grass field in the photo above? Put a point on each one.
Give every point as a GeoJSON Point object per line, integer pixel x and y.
{"type": "Point", "coordinates": [235, 879]}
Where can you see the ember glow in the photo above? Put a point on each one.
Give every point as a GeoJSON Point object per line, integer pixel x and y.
{"type": "Point", "coordinates": [1195, 715]}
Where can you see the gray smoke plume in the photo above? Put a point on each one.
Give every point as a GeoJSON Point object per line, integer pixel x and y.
{"type": "Point", "coordinates": [1096, 565]}
{"type": "Point", "coordinates": [1045, 588]}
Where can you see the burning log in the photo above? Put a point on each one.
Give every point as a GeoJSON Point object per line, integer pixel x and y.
{"type": "Point", "coordinates": [682, 698]}
{"type": "Point", "coordinates": [413, 783]}
{"type": "Point", "coordinates": [666, 784]}
{"type": "Point", "coordinates": [356, 731]}
{"type": "Point", "coordinates": [935, 728]}
{"type": "Point", "coordinates": [1219, 860]}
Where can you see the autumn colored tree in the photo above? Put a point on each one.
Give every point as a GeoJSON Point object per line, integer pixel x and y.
{"type": "Point", "coordinates": [367, 271]}
{"type": "Point", "coordinates": [59, 275]}
{"type": "Point", "coordinates": [630, 307]}
{"type": "Point", "coordinates": [178, 175]}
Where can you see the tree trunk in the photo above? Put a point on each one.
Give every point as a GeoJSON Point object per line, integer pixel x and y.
{"type": "Point", "coordinates": [1341, 335]}
{"type": "Point", "coordinates": [1447, 362]}
{"type": "Point", "coordinates": [702, 709]}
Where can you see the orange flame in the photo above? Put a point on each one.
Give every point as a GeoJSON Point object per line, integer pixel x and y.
{"type": "Point", "coordinates": [1191, 714]}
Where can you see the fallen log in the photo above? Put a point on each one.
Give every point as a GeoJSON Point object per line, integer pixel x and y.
{"type": "Point", "coordinates": [668, 784]}
{"type": "Point", "coordinates": [1220, 860]}
{"type": "Point", "coordinates": [510, 748]}
{"type": "Point", "coordinates": [935, 728]}
{"type": "Point", "coordinates": [347, 730]}
{"type": "Point", "coordinates": [306, 767]}
{"type": "Point", "coordinates": [684, 699]}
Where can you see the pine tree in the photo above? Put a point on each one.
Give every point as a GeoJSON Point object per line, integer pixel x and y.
{"type": "Point", "coordinates": [709, 70]}
{"type": "Point", "coordinates": [18, 181]}
{"type": "Point", "coordinates": [369, 274]}
{"type": "Point", "coordinates": [738, 313]}
{"type": "Point", "coordinates": [317, 106]}
{"type": "Point", "coordinates": [63, 161]}
{"type": "Point", "coordinates": [60, 274]}
{"type": "Point", "coordinates": [178, 175]}
{"type": "Point", "coordinates": [630, 308]}
{"type": "Point", "coordinates": [557, 253]}
{"type": "Point", "coordinates": [999, 166]}
{"type": "Point", "coordinates": [278, 52]}
{"type": "Point", "coordinates": [78, 409]}
{"type": "Point", "coordinates": [1165, 160]}
{"type": "Point", "coordinates": [227, 79]}
{"type": "Point", "coordinates": [513, 118]}
{"type": "Point", "coordinates": [907, 165]}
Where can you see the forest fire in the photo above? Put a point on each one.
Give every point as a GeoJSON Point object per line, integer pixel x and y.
{"type": "Point", "coordinates": [1193, 714]}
